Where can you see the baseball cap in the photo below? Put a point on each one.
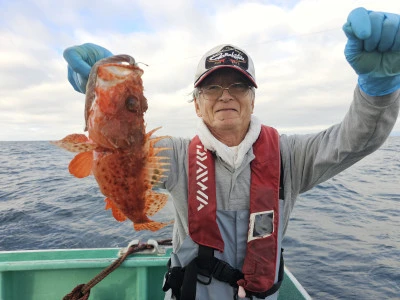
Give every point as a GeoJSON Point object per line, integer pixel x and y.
{"type": "Point", "coordinates": [225, 56]}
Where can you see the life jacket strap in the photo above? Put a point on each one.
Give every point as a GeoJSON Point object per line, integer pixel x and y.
{"type": "Point", "coordinates": [182, 281]}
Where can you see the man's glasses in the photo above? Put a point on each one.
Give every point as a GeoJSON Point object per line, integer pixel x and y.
{"type": "Point", "coordinates": [237, 90]}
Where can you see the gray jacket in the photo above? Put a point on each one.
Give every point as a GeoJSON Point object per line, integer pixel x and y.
{"type": "Point", "coordinates": [307, 161]}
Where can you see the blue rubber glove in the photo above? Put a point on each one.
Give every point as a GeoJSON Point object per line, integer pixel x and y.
{"type": "Point", "coordinates": [80, 60]}
{"type": "Point", "coordinates": [373, 50]}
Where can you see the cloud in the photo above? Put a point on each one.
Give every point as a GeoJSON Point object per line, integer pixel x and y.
{"type": "Point", "coordinates": [305, 84]}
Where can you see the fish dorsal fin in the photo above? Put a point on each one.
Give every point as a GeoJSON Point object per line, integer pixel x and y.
{"type": "Point", "coordinates": [75, 143]}
{"type": "Point", "coordinates": [116, 212]}
{"type": "Point", "coordinates": [154, 202]}
{"type": "Point", "coordinates": [81, 165]}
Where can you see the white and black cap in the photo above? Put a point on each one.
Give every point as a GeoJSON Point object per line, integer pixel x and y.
{"type": "Point", "coordinates": [225, 56]}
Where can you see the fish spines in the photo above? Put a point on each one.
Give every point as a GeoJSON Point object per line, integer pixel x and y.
{"type": "Point", "coordinates": [156, 165]}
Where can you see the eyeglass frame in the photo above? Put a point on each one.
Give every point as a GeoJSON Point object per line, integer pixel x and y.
{"type": "Point", "coordinates": [197, 91]}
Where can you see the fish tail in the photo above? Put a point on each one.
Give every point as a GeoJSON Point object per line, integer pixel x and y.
{"type": "Point", "coordinates": [151, 225]}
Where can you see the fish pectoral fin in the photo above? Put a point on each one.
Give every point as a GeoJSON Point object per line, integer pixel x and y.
{"type": "Point", "coordinates": [81, 165]}
{"type": "Point", "coordinates": [75, 142]}
{"type": "Point", "coordinates": [154, 202]}
{"type": "Point", "coordinates": [151, 225]}
{"type": "Point", "coordinates": [116, 212]}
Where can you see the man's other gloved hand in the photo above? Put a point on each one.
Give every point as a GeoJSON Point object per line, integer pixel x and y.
{"type": "Point", "coordinates": [373, 50]}
{"type": "Point", "coordinates": [80, 60]}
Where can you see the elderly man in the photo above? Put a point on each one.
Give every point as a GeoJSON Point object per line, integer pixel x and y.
{"type": "Point", "coordinates": [234, 185]}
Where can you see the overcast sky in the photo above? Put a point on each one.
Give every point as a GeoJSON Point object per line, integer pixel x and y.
{"type": "Point", "coordinates": [305, 83]}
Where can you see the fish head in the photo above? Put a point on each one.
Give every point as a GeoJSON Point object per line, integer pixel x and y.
{"type": "Point", "coordinates": [115, 104]}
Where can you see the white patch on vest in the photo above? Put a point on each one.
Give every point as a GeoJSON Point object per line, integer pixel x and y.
{"type": "Point", "coordinates": [264, 227]}
{"type": "Point", "coordinates": [202, 178]}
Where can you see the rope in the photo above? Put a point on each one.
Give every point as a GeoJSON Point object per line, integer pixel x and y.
{"type": "Point", "coordinates": [82, 291]}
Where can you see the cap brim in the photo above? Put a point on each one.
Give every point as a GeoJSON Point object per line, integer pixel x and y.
{"type": "Point", "coordinates": [205, 74]}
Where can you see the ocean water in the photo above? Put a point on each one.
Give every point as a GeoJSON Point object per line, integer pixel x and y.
{"type": "Point", "coordinates": [343, 240]}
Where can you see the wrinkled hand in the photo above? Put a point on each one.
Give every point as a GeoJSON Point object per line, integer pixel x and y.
{"type": "Point", "coordinates": [373, 50]}
{"type": "Point", "coordinates": [80, 60]}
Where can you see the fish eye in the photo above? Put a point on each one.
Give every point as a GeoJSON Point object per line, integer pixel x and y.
{"type": "Point", "coordinates": [132, 104]}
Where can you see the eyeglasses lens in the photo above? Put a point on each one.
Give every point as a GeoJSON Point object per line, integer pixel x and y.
{"type": "Point", "coordinates": [235, 89]}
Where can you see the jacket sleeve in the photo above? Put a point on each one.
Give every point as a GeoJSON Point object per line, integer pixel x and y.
{"type": "Point", "coordinates": [317, 157]}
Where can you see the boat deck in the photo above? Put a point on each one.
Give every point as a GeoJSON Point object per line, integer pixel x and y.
{"type": "Point", "coordinates": [51, 274]}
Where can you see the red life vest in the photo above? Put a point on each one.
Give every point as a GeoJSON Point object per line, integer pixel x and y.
{"type": "Point", "coordinates": [260, 264]}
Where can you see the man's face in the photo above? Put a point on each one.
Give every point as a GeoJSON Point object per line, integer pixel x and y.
{"type": "Point", "coordinates": [225, 113]}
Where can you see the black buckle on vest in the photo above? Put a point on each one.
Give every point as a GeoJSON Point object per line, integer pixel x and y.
{"type": "Point", "coordinates": [207, 276]}
{"type": "Point", "coordinates": [225, 272]}
{"type": "Point", "coordinates": [205, 264]}
{"type": "Point", "coordinates": [182, 281]}
{"type": "Point", "coordinates": [204, 273]}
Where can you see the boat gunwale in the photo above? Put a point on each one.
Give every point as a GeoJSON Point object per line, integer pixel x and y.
{"type": "Point", "coordinates": [50, 259]}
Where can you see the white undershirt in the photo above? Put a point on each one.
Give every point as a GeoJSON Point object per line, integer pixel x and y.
{"type": "Point", "coordinates": [231, 155]}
